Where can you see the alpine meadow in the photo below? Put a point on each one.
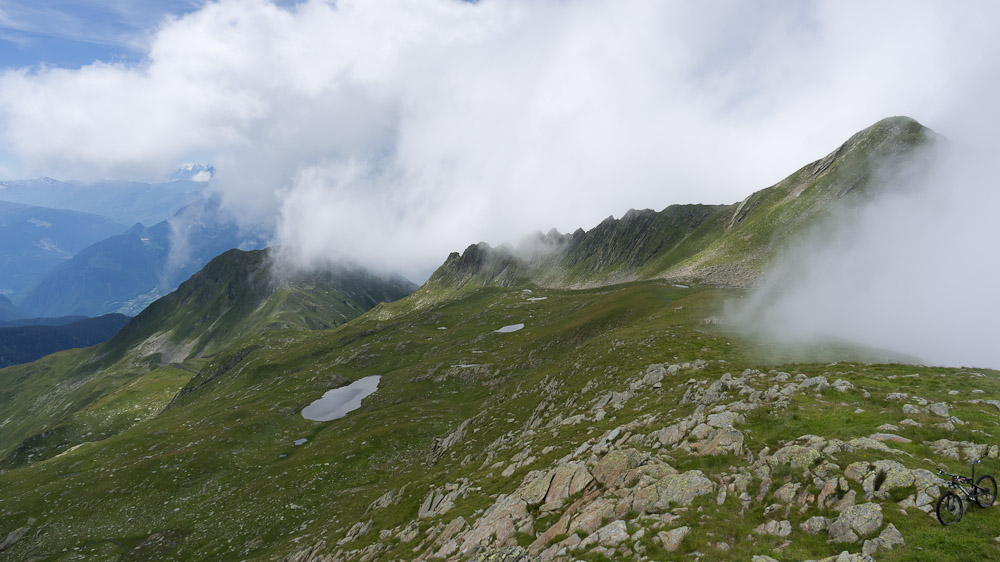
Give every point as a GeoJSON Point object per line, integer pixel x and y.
{"type": "Point", "coordinates": [329, 281]}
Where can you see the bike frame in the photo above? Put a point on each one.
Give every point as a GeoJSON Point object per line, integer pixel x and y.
{"type": "Point", "coordinates": [957, 480]}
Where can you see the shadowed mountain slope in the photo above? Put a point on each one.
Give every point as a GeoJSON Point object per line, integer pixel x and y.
{"type": "Point", "coordinates": [21, 344]}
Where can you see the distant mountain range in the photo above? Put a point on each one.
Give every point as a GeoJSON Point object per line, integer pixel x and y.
{"type": "Point", "coordinates": [127, 202]}
{"type": "Point", "coordinates": [66, 248]}
{"type": "Point", "coordinates": [9, 312]}
{"type": "Point", "coordinates": [36, 239]}
{"type": "Point", "coordinates": [21, 344]}
{"type": "Point", "coordinates": [124, 273]}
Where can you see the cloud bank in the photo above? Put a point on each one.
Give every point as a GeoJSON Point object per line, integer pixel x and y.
{"type": "Point", "coordinates": [394, 132]}
{"type": "Point", "coordinates": [913, 272]}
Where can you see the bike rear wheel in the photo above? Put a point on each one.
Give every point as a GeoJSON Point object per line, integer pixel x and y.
{"type": "Point", "coordinates": [950, 509]}
{"type": "Point", "coordinates": [986, 490]}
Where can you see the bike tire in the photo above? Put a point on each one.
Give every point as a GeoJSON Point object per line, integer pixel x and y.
{"type": "Point", "coordinates": [950, 509]}
{"type": "Point", "coordinates": [986, 490]}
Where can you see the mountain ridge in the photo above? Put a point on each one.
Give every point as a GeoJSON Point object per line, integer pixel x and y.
{"type": "Point", "coordinates": [514, 421]}
{"type": "Point", "coordinates": [63, 397]}
{"type": "Point", "coordinates": [717, 245]}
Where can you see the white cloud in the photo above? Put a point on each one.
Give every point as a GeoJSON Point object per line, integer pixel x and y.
{"type": "Point", "coordinates": [397, 131]}
{"type": "Point", "coordinates": [914, 272]}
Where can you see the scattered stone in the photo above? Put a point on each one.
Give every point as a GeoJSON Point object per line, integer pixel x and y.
{"type": "Point", "coordinates": [814, 525]}
{"type": "Point", "coordinates": [883, 437]}
{"type": "Point", "coordinates": [940, 409]}
{"type": "Point", "coordinates": [774, 528]}
{"type": "Point", "coordinates": [819, 383]}
{"type": "Point", "coordinates": [796, 455]}
{"type": "Point", "coordinates": [725, 440]}
{"type": "Point", "coordinates": [840, 385]}
{"type": "Point", "coordinates": [787, 492]}
{"type": "Point", "coordinates": [611, 534]}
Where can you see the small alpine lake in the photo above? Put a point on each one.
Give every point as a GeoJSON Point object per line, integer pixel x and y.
{"type": "Point", "coordinates": [338, 402]}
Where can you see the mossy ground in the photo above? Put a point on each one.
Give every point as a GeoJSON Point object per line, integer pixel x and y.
{"type": "Point", "coordinates": [217, 476]}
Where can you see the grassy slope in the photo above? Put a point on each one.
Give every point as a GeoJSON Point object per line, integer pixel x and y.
{"type": "Point", "coordinates": [217, 475]}
{"type": "Point", "coordinates": [89, 394]}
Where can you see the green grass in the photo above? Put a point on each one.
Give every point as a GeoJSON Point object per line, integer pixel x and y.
{"type": "Point", "coordinates": [219, 473]}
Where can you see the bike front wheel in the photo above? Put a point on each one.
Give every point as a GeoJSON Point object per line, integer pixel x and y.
{"type": "Point", "coordinates": [950, 508]}
{"type": "Point", "coordinates": [986, 491]}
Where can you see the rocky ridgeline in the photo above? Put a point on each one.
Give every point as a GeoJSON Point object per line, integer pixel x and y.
{"type": "Point", "coordinates": [618, 492]}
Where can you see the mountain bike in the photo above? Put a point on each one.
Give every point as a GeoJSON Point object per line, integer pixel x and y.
{"type": "Point", "coordinates": [950, 507]}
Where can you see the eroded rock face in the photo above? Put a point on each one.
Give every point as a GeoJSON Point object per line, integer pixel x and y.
{"type": "Point", "coordinates": [569, 479]}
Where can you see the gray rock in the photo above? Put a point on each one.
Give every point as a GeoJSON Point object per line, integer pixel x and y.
{"type": "Point", "coordinates": [507, 554]}
{"type": "Point", "coordinates": [672, 539]}
{"type": "Point", "coordinates": [612, 533]}
{"type": "Point", "coordinates": [774, 528]}
{"type": "Point", "coordinates": [13, 537]}
{"type": "Point", "coordinates": [939, 408]}
{"type": "Point", "coordinates": [726, 418]}
{"type": "Point", "coordinates": [787, 492]}
{"type": "Point", "coordinates": [673, 489]}
{"type": "Point", "coordinates": [818, 383]}
{"type": "Point", "coordinates": [862, 519]}
{"type": "Point", "coordinates": [841, 385]}
{"type": "Point", "coordinates": [814, 525]}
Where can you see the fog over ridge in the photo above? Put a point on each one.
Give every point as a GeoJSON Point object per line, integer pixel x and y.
{"type": "Point", "coordinates": [392, 133]}
{"type": "Point", "coordinates": [913, 272]}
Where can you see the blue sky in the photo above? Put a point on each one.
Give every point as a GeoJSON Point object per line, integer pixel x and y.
{"type": "Point", "coordinates": [75, 33]}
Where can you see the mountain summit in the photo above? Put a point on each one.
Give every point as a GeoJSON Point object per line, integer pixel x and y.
{"type": "Point", "coordinates": [718, 245]}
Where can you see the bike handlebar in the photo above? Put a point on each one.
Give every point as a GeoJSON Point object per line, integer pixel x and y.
{"type": "Point", "coordinates": [958, 477]}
